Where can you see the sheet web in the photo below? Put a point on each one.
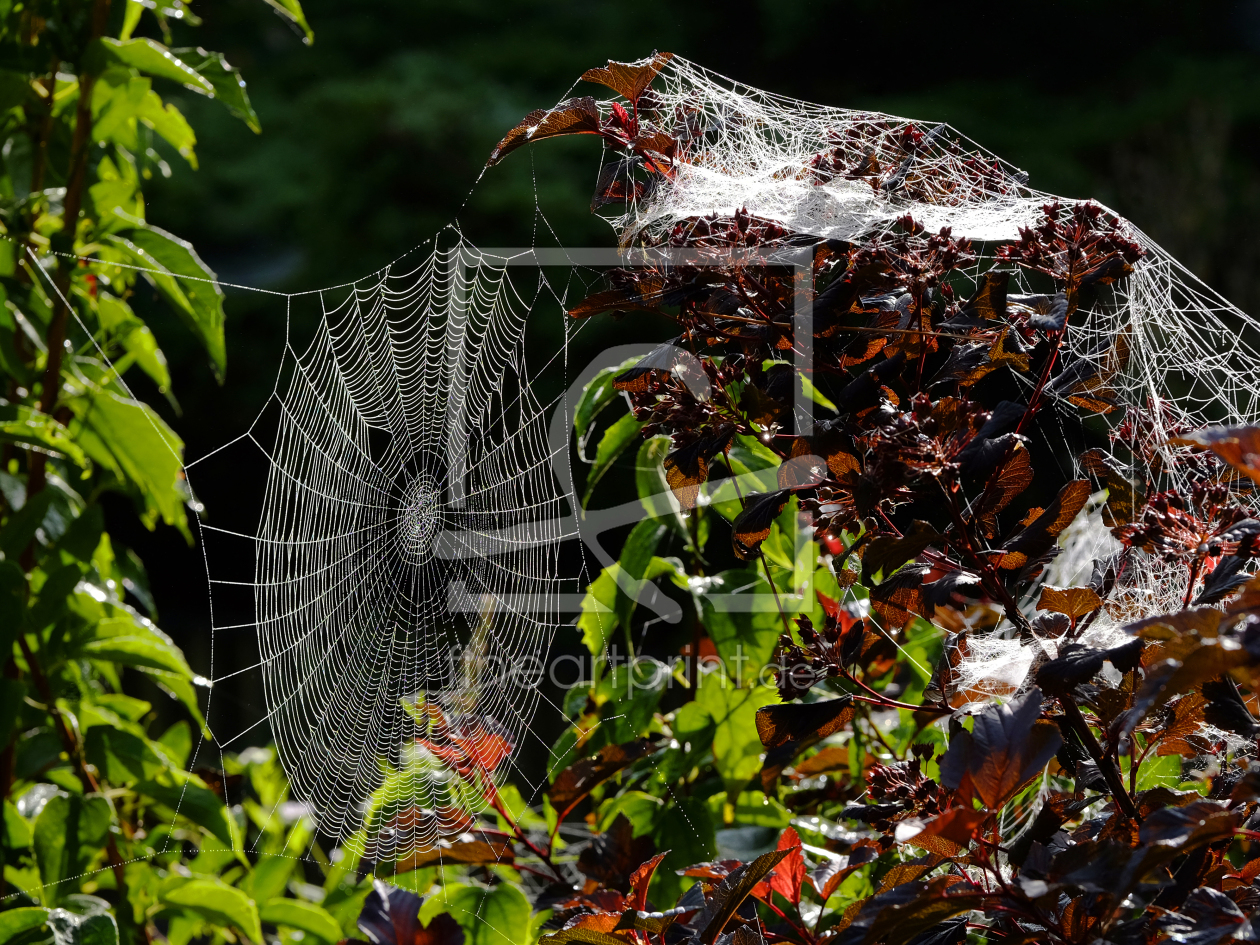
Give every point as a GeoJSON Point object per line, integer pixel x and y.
{"type": "Point", "coordinates": [836, 173]}
{"type": "Point", "coordinates": [843, 174]}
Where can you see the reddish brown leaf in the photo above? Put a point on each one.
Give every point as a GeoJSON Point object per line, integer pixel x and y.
{"type": "Point", "coordinates": [687, 468]}
{"type": "Point", "coordinates": [1077, 663]}
{"type": "Point", "coordinates": [1036, 539]}
{"type": "Point", "coordinates": [899, 599]}
{"type": "Point", "coordinates": [909, 910]}
{"type": "Point", "coordinates": [908, 872]}
{"type": "Point", "coordinates": [615, 855]}
{"type": "Point", "coordinates": [779, 724]}
{"type": "Point", "coordinates": [639, 881]}
{"type": "Point", "coordinates": [1123, 496]}
{"type": "Point", "coordinates": [887, 554]}
{"type": "Point", "coordinates": [752, 526]}
{"type": "Point", "coordinates": [731, 893]}
{"type": "Point", "coordinates": [592, 928]}
{"type": "Point", "coordinates": [1238, 446]}
{"type": "Point", "coordinates": [1014, 476]}
{"type": "Point", "coordinates": [580, 778]}
{"type": "Point", "coordinates": [832, 758]}
{"type": "Point", "coordinates": [945, 834]}
{"type": "Point", "coordinates": [614, 300]}
{"type": "Point", "coordinates": [1075, 602]}
{"type": "Point", "coordinates": [787, 877]}
{"type": "Point", "coordinates": [472, 852]}
{"type": "Point", "coordinates": [628, 79]}
{"type": "Point", "coordinates": [1008, 746]}
{"type": "Point", "coordinates": [989, 299]}
{"type": "Point", "coordinates": [391, 916]}
{"type": "Point", "coordinates": [1008, 348]}
{"type": "Point", "coordinates": [577, 116]}
{"type": "Point", "coordinates": [826, 879]}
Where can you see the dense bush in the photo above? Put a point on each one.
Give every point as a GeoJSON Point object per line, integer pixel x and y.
{"type": "Point", "coordinates": [909, 786]}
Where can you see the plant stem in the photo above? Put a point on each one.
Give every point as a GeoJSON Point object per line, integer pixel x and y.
{"type": "Point", "coordinates": [50, 389]}
{"type": "Point", "coordinates": [1110, 772]}
{"type": "Point", "coordinates": [71, 744]}
{"type": "Point", "coordinates": [497, 804]}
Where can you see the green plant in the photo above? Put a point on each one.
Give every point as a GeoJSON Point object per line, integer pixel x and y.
{"type": "Point", "coordinates": [106, 832]}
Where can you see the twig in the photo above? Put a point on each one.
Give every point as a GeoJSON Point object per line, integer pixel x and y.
{"type": "Point", "coordinates": [1110, 772]}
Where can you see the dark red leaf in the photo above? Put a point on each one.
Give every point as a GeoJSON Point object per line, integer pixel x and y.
{"type": "Point", "coordinates": [391, 916]}
{"type": "Point", "coordinates": [1007, 746]}
{"type": "Point", "coordinates": [577, 116]}
{"type": "Point", "coordinates": [779, 724]}
{"type": "Point", "coordinates": [628, 79]}
{"type": "Point", "coordinates": [580, 778]}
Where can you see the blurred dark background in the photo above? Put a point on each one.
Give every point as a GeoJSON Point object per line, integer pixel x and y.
{"type": "Point", "coordinates": [374, 136]}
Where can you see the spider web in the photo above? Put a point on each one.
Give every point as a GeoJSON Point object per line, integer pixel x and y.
{"type": "Point", "coordinates": [406, 575]}
{"type": "Point", "coordinates": [407, 553]}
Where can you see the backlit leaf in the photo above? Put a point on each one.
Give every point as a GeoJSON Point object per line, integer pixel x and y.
{"type": "Point", "coordinates": [628, 79]}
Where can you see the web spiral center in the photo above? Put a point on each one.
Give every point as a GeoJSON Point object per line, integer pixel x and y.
{"type": "Point", "coordinates": [419, 518]}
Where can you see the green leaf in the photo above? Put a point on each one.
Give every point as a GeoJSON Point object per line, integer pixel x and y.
{"type": "Point", "coordinates": [131, 18]}
{"type": "Point", "coordinates": [136, 339]}
{"type": "Point", "coordinates": [596, 395]}
{"type": "Point", "coordinates": [297, 914]}
{"type": "Point", "coordinates": [639, 807]}
{"type": "Point", "coordinates": [736, 746]}
{"type": "Point", "coordinates": [139, 651]}
{"type": "Point", "coordinates": [12, 598]}
{"type": "Point", "coordinates": [498, 916]}
{"type": "Point", "coordinates": [599, 614]}
{"type": "Point", "coordinates": [636, 557]}
{"type": "Point", "coordinates": [654, 492]}
{"type": "Point", "coordinates": [83, 537]}
{"type": "Point", "coordinates": [614, 442]}
{"type": "Point", "coordinates": [128, 438]}
{"type": "Point", "coordinates": [186, 283]}
{"type": "Point", "coordinates": [152, 58]}
{"type": "Point", "coordinates": [291, 10]}
{"type": "Point", "coordinates": [170, 123]}
{"type": "Point", "coordinates": [69, 832]}
{"type": "Point", "coordinates": [16, 921]}
{"type": "Point", "coordinates": [122, 757]}
{"type": "Point", "coordinates": [191, 797]}
{"type": "Point", "coordinates": [180, 687]}
{"type": "Point", "coordinates": [17, 832]}
{"type": "Point", "coordinates": [686, 830]}
{"type": "Point", "coordinates": [229, 87]}
{"type": "Point", "coordinates": [116, 99]}
{"type": "Point", "coordinates": [19, 530]}
{"type": "Point", "coordinates": [219, 903]}
{"type": "Point", "coordinates": [176, 743]}
{"type": "Point", "coordinates": [1159, 772]}
{"type": "Point", "coordinates": [53, 596]}
{"type": "Point", "coordinates": [85, 920]}
{"type": "Point", "coordinates": [629, 695]}
{"type": "Point", "coordinates": [28, 426]}
{"type": "Point", "coordinates": [269, 877]}
{"type": "Point", "coordinates": [746, 634]}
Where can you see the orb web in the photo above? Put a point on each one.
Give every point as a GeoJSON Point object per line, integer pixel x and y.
{"type": "Point", "coordinates": [406, 571]}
